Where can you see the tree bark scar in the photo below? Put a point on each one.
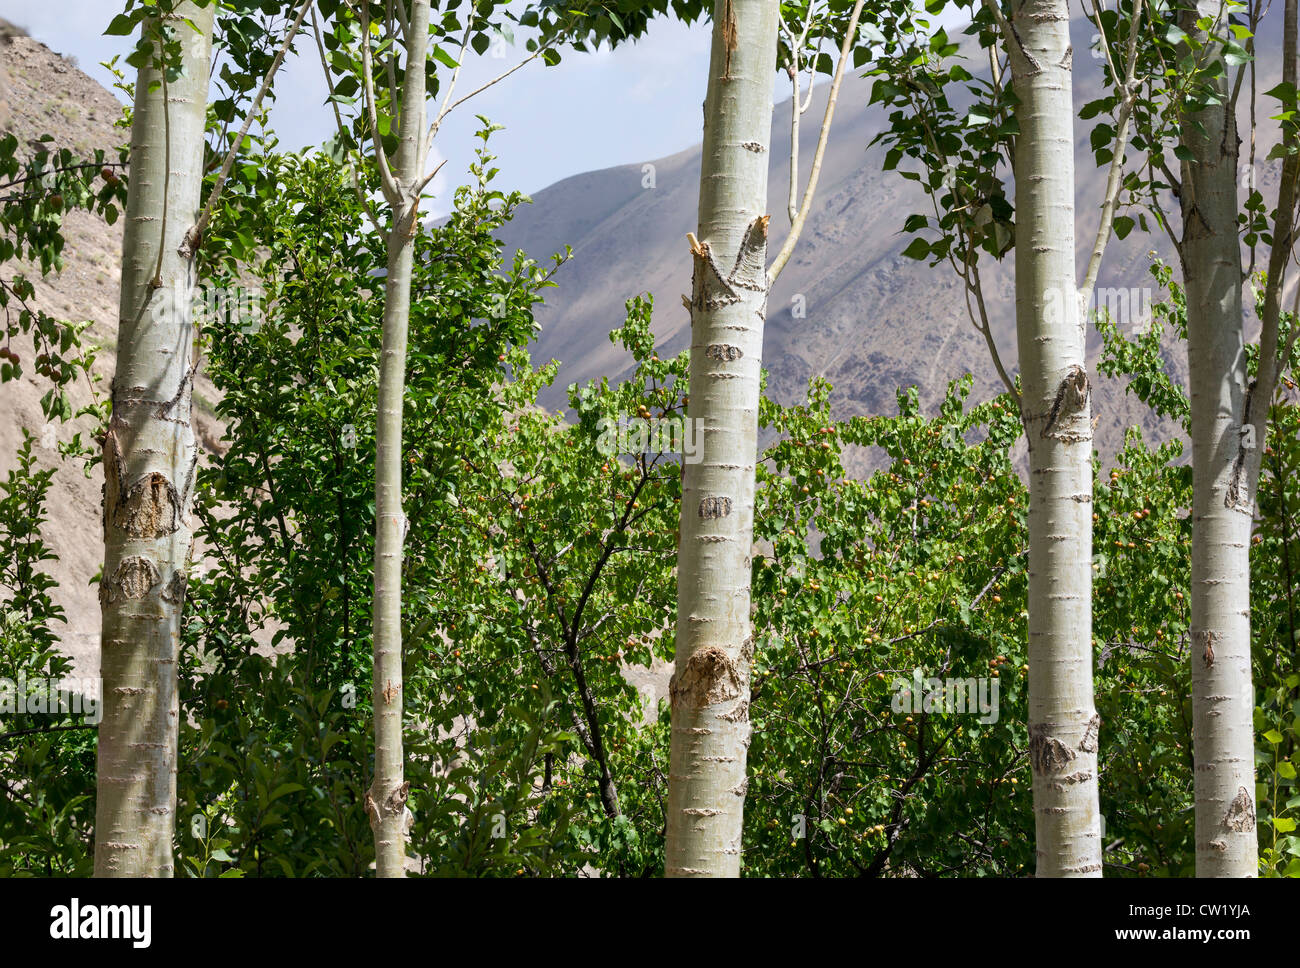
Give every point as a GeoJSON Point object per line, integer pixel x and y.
{"type": "Point", "coordinates": [1241, 812]}
{"type": "Point", "coordinates": [715, 507]}
{"type": "Point", "coordinates": [114, 472]}
{"type": "Point", "coordinates": [190, 244]}
{"type": "Point", "coordinates": [387, 806]}
{"type": "Point", "coordinates": [1196, 226]}
{"type": "Point", "coordinates": [151, 507]}
{"type": "Point", "coordinates": [710, 677]}
{"type": "Point", "coordinates": [164, 408]}
{"type": "Point", "coordinates": [397, 798]}
{"type": "Point", "coordinates": [175, 590]}
{"type": "Point", "coordinates": [709, 290]}
{"type": "Point", "coordinates": [187, 490]}
{"type": "Point", "coordinates": [750, 270]}
{"type": "Point", "coordinates": [1079, 776]}
{"type": "Point", "coordinates": [1034, 66]}
{"type": "Point", "coordinates": [1207, 655]}
{"type": "Point", "coordinates": [133, 579]}
{"type": "Point", "coordinates": [1237, 494]}
{"type": "Point", "coordinates": [1047, 754]}
{"type": "Point", "coordinates": [1091, 734]}
{"type": "Point", "coordinates": [1072, 396]}
{"type": "Point", "coordinates": [724, 353]}
{"type": "Point", "coordinates": [729, 39]}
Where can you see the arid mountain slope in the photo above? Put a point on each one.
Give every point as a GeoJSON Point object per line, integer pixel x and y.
{"type": "Point", "coordinates": [872, 319]}
{"type": "Point", "coordinates": [43, 93]}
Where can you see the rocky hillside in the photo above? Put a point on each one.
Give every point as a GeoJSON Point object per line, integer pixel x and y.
{"type": "Point", "coordinates": [44, 93]}
{"type": "Point", "coordinates": [872, 320]}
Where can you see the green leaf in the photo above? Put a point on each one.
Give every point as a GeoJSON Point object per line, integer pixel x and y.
{"type": "Point", "coordinates": [917, 249]}
{"type": "Point", "coordinates": [915, 223]}
{"type": "Point", "coordinates": [1093, 108]}
{"type": "Point", "coordinates": [1234, 55]}
{"type": "Point", "coordinates": [443, 57]}
{"type": "Point", "coordinates": [1284, 92]}
{"type": "Point", "coordinates": [284, 789]}
{"type": "Point", "coordinates": [121, 26]}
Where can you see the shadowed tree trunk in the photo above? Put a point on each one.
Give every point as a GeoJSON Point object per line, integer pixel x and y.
{"type": "Point", "coordinates": [149, 461]}
{"type": "Point", "coordinates": [1225, 468]}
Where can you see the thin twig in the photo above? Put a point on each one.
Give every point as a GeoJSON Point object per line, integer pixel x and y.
{"type": "Point", "coordinates": [796, 227]}
{"type": "Point", "coordinates": [46, 729]}
{"type": "Point", "coordinates": [448, 108]}
{"type": "Point", "coordinates": [338, 120]}
{"type": "Point", "coordinates": [389, 182]}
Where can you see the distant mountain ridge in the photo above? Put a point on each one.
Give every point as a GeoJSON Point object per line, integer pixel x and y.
{"type": "Point", "coordinates": [872, 319]}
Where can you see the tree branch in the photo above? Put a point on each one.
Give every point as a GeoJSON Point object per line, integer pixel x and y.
{"type": "Point", "coordinates": [1115, 178]}
{"type": "Point", "coordinates": [391, 190]}
{"type": "Point", "coordinates": [1270, 362]}
{"type": "Point", "coordinates": [796, 227]}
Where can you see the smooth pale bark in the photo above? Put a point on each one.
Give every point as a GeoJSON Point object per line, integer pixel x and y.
{"type": "Point", "coordinates": [386, 799]}
{"type": "Point", "coordinates": [710, 685]}
{"type": "Point", "coordinates": [1225, 469]}
{"type": "Point", "coordinates": [1063, 721]}
{"type": "Point", "coordinates": [149, 460]}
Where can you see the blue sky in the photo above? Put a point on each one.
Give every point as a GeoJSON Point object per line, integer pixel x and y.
{"type": "Point", "coordinates": [594, 110]}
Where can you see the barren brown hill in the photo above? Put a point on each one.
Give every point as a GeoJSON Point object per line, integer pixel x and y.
{"type": "Point", "coordinates": [43, 93]}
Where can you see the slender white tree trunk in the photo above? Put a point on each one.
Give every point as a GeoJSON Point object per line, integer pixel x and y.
{"type": "Point", "coordinates": [1063, 721]}
{"type": "Point", "coordinates": [149, 461]}
{"type": "Point", "coordinates": [386, 799]}
{"type": "Point", "coordinates": [1225, 468]}
{"type": "Point", "coordinates": [728, 304]}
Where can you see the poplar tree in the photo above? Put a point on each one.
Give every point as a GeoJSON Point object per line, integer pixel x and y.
{"type": "Point", "coordinates": [709, 691]}
{"type": "Point", "coordinates": [149, 450]}
{"type": "Point", "coordinates": [1229, 419]}
{"type": "Point", "coordinates": [1055, 404]}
